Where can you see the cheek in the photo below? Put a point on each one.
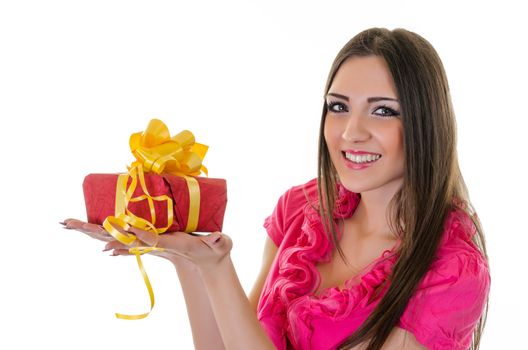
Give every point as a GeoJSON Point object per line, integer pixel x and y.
{"type": "Point", "coordinates": [391, 136]}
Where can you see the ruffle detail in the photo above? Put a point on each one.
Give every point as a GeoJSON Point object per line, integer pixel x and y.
{"type": "Point", "coordinates": [297, 273]}
{"type": "Point", "coordinates": [298, 277]}
{"type": "Point", "coordinates": [334, 303]}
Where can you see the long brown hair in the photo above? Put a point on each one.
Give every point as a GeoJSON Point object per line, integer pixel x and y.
{"type": "Point", "coordinates": [432, 177]}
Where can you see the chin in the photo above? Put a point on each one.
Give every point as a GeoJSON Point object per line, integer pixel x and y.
{"type": "Point", "coordinates": [355, 186]}
{"type": "Point", "coordinates": [371, 184]}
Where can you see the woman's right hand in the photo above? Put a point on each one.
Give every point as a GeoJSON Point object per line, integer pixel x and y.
{"type": "Point", "coordinates": [98, 232]}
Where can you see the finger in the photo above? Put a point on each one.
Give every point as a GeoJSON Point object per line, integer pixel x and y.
{"type": "Point", "coordinates": [149, 238]}
{"type": "Point", "coordinates": [99, 237]}
{"type": "Point", "coordinates": [72, 223]}
{"type": "Point", "coordinates": [82, 225]}
{"type": "Point", "coordinates": [120, 252]}
{"type": "Point", "coordinates": [76, 225]}
{"type": "Point", "coordinates": [219, 242]}
{"type": "Point", "coordinates": [92, 230]}
{"type": "Point", "coordinates": [212, 239]}
{"type": "Point", "coordinates": [114, 245]}
{"type": "Point", "coordinates": [64, 222]}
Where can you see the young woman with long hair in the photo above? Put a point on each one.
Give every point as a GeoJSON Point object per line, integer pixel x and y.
{"type": "Point", "coordinates": [382, 250]}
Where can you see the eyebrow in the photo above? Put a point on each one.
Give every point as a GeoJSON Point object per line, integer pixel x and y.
{"type": "Point", "coordinates": [369, 100]}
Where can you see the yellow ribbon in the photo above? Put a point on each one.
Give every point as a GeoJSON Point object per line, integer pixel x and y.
{"type": "Point", "coordinates": [155, 151]}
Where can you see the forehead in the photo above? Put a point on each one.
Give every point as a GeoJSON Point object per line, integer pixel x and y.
{"type": "Point", "coordinates": [364, 76]}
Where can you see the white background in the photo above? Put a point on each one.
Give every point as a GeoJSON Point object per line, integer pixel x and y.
{"type": "Point", "coordinates": [78, 77]}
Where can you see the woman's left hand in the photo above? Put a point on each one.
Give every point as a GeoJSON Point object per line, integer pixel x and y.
{"type": "Point", "coordinates": [203, 251]}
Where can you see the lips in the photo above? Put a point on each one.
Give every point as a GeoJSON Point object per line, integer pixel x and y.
{"type": "Point", "coordinates": [358, 152]}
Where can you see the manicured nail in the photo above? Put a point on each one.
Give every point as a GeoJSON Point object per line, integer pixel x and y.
{"type": "Point", "coordinates": [211, 237]}
{"type": "Point", "coordinates": [62, 223]}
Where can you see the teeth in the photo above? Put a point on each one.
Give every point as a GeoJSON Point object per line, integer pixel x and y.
{"type": "Point", "coordinates": [363, 158]}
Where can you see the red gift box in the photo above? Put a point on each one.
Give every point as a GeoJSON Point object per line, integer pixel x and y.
{"type": "Point", "coordinates": [100, 199]}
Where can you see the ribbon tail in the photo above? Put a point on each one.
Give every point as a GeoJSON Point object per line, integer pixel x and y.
{"type": "Point", "coordinates": [149, 289]}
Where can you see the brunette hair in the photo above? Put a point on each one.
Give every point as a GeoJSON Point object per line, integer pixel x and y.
{"type": "Point", "coordinates": [433, 184]}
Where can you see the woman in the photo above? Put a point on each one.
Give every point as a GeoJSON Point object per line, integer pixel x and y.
{"type": "Point", "coordinates": [381, 251]}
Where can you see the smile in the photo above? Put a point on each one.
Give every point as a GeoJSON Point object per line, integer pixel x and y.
{"type": "Point", "coordinates": [360, 162]}
{"type": "Point", "coordinates": [361, 159]}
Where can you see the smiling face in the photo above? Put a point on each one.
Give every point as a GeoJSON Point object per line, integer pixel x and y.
{"type": "Point", "coordinates": [363, 129]}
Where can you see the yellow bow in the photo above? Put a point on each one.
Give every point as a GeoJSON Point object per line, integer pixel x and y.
{"type": "Point", "coordinates": [160, 153]}
{"type": "Point", "coordinates": [156, 151]}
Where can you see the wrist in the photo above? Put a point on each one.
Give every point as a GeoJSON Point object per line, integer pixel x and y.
{"type": "Point", "coordinates": [216, 269]}
{"type": "Point", "coordinates": [183, 265]}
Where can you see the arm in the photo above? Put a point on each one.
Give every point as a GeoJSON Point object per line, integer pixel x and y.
{"type": "Point", "coordinates": [399, 339]}
{"type": "Point", "coordinates": [205, 331]}
{"type": "Point", "coordinates": [238, 324]}
{"type": "Point", "coordinates": [402, 339]}
{"type": "Point", "coordinates": [270, 250]}
{"type": "Point", "coordinates": [236, 319]}
{"type": "Point", "coordinates": [206, 335]}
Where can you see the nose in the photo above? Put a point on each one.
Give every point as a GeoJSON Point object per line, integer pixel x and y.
{"type": "Point", "coordinates": [355, 128]}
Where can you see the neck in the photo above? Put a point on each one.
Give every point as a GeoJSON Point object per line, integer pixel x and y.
{"type": "Point", "coordinates": [371, 214]}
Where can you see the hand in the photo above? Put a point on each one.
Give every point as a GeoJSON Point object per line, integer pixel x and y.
{"type": "Point", "coordinates": [179, 247]}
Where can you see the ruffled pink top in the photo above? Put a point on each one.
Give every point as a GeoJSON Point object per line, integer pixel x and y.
{"type": "Point", "coordinates": [442, 313]}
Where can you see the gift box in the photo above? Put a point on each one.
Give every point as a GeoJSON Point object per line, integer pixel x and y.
{"type": "Point", "coordinates": [162, 190]}
{"type": "Point", "coordinates": [100, 191]}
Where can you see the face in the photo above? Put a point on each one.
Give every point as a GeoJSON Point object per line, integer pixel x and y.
{"type": "Point", "coordinates": [363, 128]}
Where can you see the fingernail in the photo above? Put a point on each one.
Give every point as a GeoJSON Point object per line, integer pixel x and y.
{"type": "Point", "coordinates": [214, 240]}
{"type": "Point", "coordinates": [62, 223]}
{"type": "Point", "coordinates": [106, 249]}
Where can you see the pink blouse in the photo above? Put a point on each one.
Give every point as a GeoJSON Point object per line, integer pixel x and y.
{"type": "Point", "coordinates": [442, 313]}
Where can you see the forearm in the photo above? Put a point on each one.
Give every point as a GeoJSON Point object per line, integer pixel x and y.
{"type": "Point", "coordinates": [238, 324]}
{"type": "Point", "coordinates": [206, 335]}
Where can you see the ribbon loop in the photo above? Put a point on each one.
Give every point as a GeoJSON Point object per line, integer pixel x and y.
{"type": "Point", "coordinates": [158, 152]}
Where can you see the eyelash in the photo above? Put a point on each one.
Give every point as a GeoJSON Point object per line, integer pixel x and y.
{"type": "Point", "coordinates": [393, 113]}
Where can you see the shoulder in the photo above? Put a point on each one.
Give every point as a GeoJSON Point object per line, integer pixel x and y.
{"type": "Point", "coordinates": [296, 197]}
{"type": "Point", "coordinates": [289, 209]}
{"type": "Point", "coordinates": [450, 299]}
{"type": "Point", "coordinates": [459, 262]}
{"type": "Point", "coordinates": [300, 194]}
{"type": "Point", "coordinates": [457, 249]}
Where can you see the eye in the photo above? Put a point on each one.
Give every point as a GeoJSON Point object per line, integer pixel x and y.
{"type": "Point", "coordinates": [336, 107]}
{"type": "Point", "coordinates": [386, 112]}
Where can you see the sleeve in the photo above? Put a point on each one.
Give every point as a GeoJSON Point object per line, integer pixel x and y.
{"type": "Point", "coordinates": [449, 301]}
{"type": "Point", "coordinates": [274, 224]}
